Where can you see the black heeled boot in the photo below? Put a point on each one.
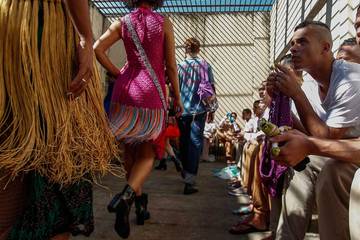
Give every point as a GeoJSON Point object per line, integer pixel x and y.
{"type": "Point", "coordinates": [162, 165]}
{"type": "Point", "coordinates": [190, 189]}
{"type": "Point", "coordinates": [177, 163]}
{"type": "Point", "coordinates": [121, 204]}
{"type": "Point", "coordinates": [142, 213]}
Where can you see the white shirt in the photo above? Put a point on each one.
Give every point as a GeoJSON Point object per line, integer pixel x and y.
{"type": "Point", "coordinates": [342, 103]}
{"type": "Point", "coordinates": [310, 88]}
{"type": "Point", "coordinates": [265, 115]}
{"type": "Point", "coordinates": [341, 106]}
{"type": "Point", "coordinates": [254, 124]}
{"type": "Point", "coordinates": [236, 127]}
{"type": "Point", "coordinates": [250, 125]}
{"type": "Point", "coordinates": [250, 128]}
{"type": "Point", "coordinates": [209, 129]}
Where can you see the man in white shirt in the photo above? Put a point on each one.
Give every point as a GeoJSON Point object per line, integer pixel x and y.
{"type": "Point", "coordinates": [251, 144]}
{"type": "Point", "coordinates": [250, 124]}
{"type": "Point", "coordinates": [324, 179]}
{"type": "Point", "coordinates": [247, 130]}
{"type": "Point", "coordinates": [209, 133]}
{"type": "Point", "coordinates": [260, 208]}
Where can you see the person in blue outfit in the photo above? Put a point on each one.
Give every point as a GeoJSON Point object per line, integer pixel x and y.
{"type": "Point", "coordinates": [192, 122]}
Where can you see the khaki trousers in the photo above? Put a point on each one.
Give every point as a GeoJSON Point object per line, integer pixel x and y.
{"type": "Point", "coordinates": [259, 192]}
{"type": "Point", "coordinates": [248, 164]}
{"type": "Point", "coordinates": [326, 181]}
{"type": "Point", "coordinates": [205, 151]}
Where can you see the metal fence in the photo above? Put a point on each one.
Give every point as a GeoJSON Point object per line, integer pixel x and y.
{"type": "Point", "coordinates": [235, 40]}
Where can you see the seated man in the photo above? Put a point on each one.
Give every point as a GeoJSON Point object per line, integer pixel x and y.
{"type": "Point", "coordinates": [347, 152]}
{"type": "Point", "coordinates": [338, 86]}
{"type": "Point", "coordinates": [226, 133]}
{"type": "Point", "coordinates": [233, 121]}
{"type": "Point", "coordinates": [209, 134]}
{"type": "Point", "coordinates": [347, 44]}
{"type": "Point", "coordinates": [260, 208]}
{"type": "Point", "coordinates": [251, 135]}
{"type": "Point", "coordinates": [248, 129]}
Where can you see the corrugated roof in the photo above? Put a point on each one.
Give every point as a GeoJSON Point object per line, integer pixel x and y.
{"type": "Point", "coordinates": [114, 9]}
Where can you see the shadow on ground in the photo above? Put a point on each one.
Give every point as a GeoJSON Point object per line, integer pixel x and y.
{"type": "Point", "coordinates": [174, 216]}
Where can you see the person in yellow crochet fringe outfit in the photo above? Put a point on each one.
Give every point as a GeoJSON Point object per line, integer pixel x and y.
{"type": "Point", "coordinates": [54, 135]}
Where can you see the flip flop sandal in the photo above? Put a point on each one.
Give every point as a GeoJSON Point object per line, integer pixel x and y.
{"type": "Point", "coordinates": [244, 210]}
{"type": "Point", "coordinates": [245, 218]}
{"type": "Point", "coordinates": [245, 228]}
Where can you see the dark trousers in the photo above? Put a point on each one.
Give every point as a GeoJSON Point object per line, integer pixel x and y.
{"type": "Point", "coordinates": [191, 143]}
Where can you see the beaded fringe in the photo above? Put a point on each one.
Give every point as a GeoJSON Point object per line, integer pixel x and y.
{"type": "Point", "coordinates": [134, 125]}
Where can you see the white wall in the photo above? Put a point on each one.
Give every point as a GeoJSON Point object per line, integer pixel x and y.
{"type": "Point", "coordinates": [117, 52]}
{"type": "Point", "coordinates": [339, 14]}
{"type": "Point", "coordinates": [97, 23]}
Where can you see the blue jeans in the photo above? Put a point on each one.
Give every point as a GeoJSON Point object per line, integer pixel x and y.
{"type": "Point", "coordinates": [107, 100]}
{"type": "Point", "coordinates": [191, 143]}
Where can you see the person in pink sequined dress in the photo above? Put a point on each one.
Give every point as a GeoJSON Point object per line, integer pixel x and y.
{"type": "Point", "coordinates": [137, 112]}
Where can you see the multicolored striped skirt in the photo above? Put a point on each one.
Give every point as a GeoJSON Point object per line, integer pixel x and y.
{"type": "Point", "coordinates": [133, 125]}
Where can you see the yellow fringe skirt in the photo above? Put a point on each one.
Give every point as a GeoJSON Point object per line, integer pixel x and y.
{"type": "Point", "coordinates": [40, 129]}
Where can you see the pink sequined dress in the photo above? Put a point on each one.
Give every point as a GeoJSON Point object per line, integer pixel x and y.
{"type": "Point", "coordinates": [136, 113]}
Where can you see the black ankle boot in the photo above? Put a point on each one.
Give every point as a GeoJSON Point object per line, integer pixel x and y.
{"type": "Point", "coordinates": [162, 165]}
{"type": "Point", "coordinates": [142, 213]}
{"type": "Point", "coordinates": [190, 189]}
{"type": "Point", "coordinates": [121, 204]}
{"type": "Point", "coordinates": [177, 163]}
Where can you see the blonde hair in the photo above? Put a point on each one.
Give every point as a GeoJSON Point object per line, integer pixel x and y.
{"type": "Point", "coordinates": [40, 129]}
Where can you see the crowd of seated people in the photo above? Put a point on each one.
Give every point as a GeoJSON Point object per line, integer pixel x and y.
{"type": "Point", "coordinates": [323, 108]}
{"type": "Point", "coordinates": [324, 112]}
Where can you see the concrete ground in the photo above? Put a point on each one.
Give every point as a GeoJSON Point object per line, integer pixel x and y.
{"type": "Point", "coordinates": [203, 216]}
